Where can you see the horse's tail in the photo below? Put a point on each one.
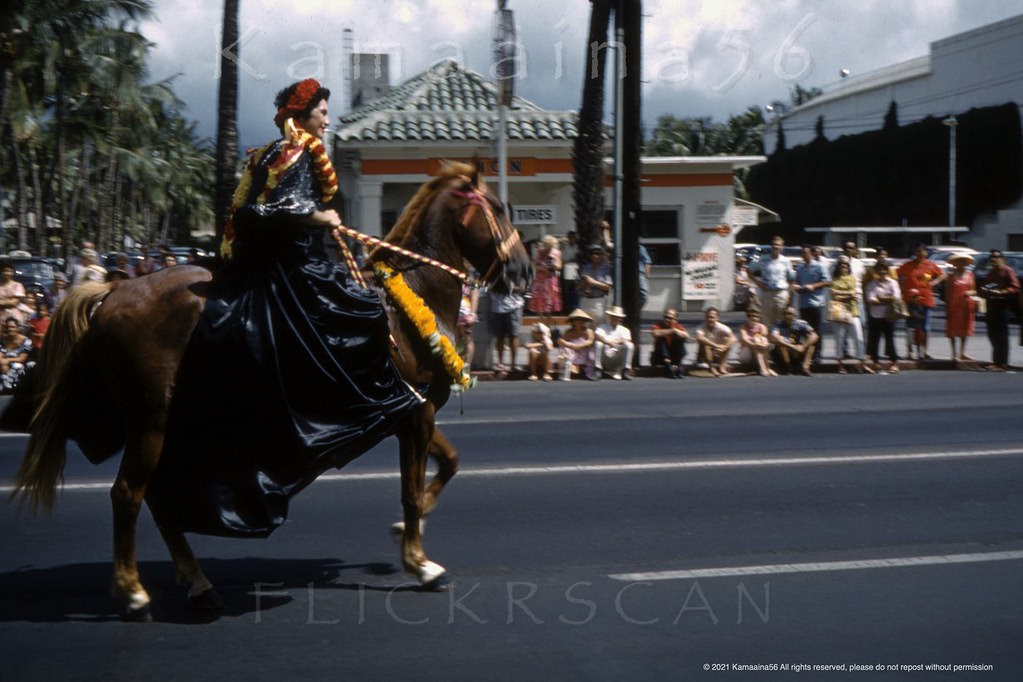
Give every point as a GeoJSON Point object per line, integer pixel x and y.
{"type": "Point", "coordinates": [42, 468]}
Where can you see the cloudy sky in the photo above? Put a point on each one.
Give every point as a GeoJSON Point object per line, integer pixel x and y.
{"type": "Point", "coordinates": [701, 57]}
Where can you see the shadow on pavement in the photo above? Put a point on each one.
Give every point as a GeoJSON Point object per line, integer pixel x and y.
{"type": "Point", "coordinates": [81, 592]}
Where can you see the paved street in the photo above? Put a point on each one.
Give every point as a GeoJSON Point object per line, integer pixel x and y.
{"type": "Point", "coordinates": [651, 529]}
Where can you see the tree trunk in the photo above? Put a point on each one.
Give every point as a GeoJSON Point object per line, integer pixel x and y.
{"type": "Point", "coordinates": [21, 201]}
{"type": "Point", "coordinates": [227, 118]}
{"type": "Point", "coordinates": [588, 150]}
{"type": "Point", "coordinates": [37, 199]}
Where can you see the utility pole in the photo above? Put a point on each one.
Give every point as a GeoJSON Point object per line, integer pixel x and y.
{"type": "Point", "coordinates": [628, 21]}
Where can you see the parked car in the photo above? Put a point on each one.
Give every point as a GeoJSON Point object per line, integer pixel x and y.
{"type": "Point", "coordinates": [35, 273]}
{"type": "Point", "coordinates": [940, 255]}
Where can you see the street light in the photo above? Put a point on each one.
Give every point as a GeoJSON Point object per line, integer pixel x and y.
{"type": "Point", "coordinates": [952, 123]}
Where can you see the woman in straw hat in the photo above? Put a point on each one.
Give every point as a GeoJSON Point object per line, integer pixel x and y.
{"type": "Point", "coordinates": [577, 352]}
{"type": "Point", "coordinates": [960, 305]}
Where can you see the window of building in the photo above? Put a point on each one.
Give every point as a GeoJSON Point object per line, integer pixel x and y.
{"type": "Point", "coordinates": [659, 224]}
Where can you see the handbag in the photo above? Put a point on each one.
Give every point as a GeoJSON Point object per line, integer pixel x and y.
{"type": "Point", "coordinates": [896, 310]}
{"type": "Point", "coordinates": [839, 313]}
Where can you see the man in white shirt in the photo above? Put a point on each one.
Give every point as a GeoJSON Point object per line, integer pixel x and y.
{"type": "Point", "coordinates": [774, 276]}
{"type": "Point", "coordinates": [715, 341]}
{"type": "Point", "coordinates": [614, 345]}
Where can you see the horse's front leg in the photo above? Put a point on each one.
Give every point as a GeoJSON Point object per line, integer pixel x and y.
{"type": "Point", "coordinates": [415, 442]}
{"type": "Point", "coordinates": [446, 457]}
{"type": "Point", "coordinates": [141, 453]}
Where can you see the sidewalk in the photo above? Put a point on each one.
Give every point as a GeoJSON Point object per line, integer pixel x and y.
{"type": "Point", "coordinates": [977, 346]}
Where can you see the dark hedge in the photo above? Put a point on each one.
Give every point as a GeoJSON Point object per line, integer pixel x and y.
{"type": "Point", "coordinates": [897, 174]}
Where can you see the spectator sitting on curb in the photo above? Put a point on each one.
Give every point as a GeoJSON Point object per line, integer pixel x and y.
{"type": "Point", "coordinates": [577, 353]}
{"type": "Point", "coordinates": [715, 341]}
{"type": "Point", "coordinates": [669, 344]}
{"type": "Point", "coordinates": [539, 348]}
{"type": "Point", "coordinates": [754, 344]}
{"type": "Point", "coordinates": [614, 345]}
{"type": "Point", "coordinates": [794, 342]}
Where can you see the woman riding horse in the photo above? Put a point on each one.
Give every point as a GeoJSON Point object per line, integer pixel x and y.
{"type": "Point", "coordinates": [287, 326]}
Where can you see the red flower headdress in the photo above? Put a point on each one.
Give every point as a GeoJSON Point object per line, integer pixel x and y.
{"type": "Point", "coordinates": [298, 102]}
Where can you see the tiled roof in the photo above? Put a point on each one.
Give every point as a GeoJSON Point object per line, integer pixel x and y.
{"type": "Point", "coordinates": [449, 102]}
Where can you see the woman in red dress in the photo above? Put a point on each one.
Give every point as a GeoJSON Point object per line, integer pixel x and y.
{"type": "Point", "coordinates": [960, 288]}
{"type": "Point", "coordinates": [545, 294]}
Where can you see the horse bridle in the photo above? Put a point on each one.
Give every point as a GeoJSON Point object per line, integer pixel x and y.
{"type": "Point", "coordinates": [503, 243]}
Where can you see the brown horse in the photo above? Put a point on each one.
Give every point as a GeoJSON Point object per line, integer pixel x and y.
{"type": "Point", "coordinates": [107, 374]}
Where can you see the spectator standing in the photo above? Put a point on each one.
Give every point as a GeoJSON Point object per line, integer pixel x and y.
{"type": "Point", "coordinates": [922, 275]}
{"type": "Point", "coordinates": [880, 294]}
{"type": "Point", "coordinates": [845, 316]}
{"type": "Point", "coordinates": [1001, 290]}
{"type": "Point", "coordinates": [467, 308]}
{"type": "Point", "coordinates": [715, 341]}
{"type": "Point", "coordinates": [570, 272]}
{"type": "Point", "coordinates": [595, 282]}
{"type": "Point", "coordinates": [794, 343]}
{"type": "Point", "coordinates": [576, 347]}
{"type": "Point", "coordinates": [745, 293]}
{"type": "Point", "coordinates": [59, 290]}
{"type": "Point", "coordinates": [545, 292]}
{"type": "Point", "coordinates": [754, 344]}
{"type": "Point", "coordinates": [811, 284]}
{"type": "Point", "coordinates": [645, 261]}
{"type": "Point", "coordinates": [506, 323]}
{"type": "Point", "coordinates": [960, 305]}
{"type": "Point", "coordinates": [614, 345]}
{"type": "Point", "coordinates": [88, 268]}
{"type": "Point", "coordinates": [775, 276]}
{"type": "Point", "coordinates": [669, 344]}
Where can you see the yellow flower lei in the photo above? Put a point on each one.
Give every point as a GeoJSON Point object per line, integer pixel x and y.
{"type": "Point", "coordinates": [426, 324]}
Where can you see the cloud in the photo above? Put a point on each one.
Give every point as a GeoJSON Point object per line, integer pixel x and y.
{"type": "Point", "coordinates": [712, 58]}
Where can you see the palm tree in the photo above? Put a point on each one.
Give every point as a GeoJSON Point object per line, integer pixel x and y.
{"type": "Point", "coordinates": [227, 118]}
{"type": "Point", "coordinates": [588, 149]}
{"type": "Point", "coordinates": [43, 60]}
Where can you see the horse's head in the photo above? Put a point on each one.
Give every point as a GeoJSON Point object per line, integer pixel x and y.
{"type": "Point", "coordinates": [486, 237]}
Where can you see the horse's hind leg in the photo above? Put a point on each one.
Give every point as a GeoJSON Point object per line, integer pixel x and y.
{"type": "Point", "coordinates": [141, 454]}
{"type": "Point", "coordinates": [201, 595]}
{"type": "Point", "coordinates": [415, 443]}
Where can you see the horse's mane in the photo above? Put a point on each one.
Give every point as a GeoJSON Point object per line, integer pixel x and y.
{"type": "Point", "coordinates": [415, 210]}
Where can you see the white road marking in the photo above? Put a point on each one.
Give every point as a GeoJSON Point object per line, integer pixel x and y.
{"type": "Point", "coordinates": [817, 567]}
{"type": "Point", "coordinates": [641, 467]}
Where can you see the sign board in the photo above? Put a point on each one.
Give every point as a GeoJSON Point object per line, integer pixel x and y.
{"type": "Point", "coordinates": [701, 272]}
{"type": "Point", "coordinates": [744, 215]}
{"type": "Point", "coordinates": [710, 214]}
{"type": "Point", "coordinates": [535, 215]}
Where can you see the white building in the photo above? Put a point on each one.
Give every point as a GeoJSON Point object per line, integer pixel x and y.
{"type": "Point", "coordinates": [385, 148]}
{"type": "Point", "coordinates": [979, 68]}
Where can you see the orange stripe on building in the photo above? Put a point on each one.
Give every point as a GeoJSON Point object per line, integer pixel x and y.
{"type": "Point", "coordinates": [683, 180]}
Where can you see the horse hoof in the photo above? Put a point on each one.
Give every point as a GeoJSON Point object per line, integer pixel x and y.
{"type": "Point", "coordinates": [429, 573]}
{"type": "Point", "coordinates": [138, 614]}
{"type": "Point", "coordinates": [207, 600]}
{"type": "Point", "coordinates": [441, 583]}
